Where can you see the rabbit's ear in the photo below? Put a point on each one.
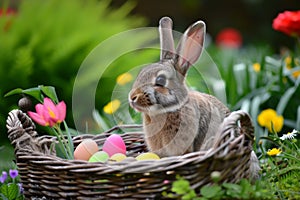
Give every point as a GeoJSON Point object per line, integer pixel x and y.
{"type": "Point", "coordinates": [190, 46]}
{"type": "Point", "coordinates": [166, 39]}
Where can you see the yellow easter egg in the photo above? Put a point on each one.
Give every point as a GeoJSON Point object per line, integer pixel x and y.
{"type": "Point", "coordinates": [148, 156]}
{"type": "Point", "coordinates": [118, 157]}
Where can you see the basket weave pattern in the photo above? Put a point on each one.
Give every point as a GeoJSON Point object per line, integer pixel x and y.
{"type": "Point", "coordinates": [43, 174]}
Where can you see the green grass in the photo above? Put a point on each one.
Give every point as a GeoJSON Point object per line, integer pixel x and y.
{"type": "Point", "coordinates": [6, 156]}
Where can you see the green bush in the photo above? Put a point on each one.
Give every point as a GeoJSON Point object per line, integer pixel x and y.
{"type": "Point", "coordinates": [45, 42]}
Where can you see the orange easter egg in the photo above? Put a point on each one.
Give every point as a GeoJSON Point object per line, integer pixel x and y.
{"type": "Point", "coordinates": [85, 150]}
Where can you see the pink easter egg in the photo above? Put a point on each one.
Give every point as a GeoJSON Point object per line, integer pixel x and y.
{"type": "Point", "coordinates": [114, 144]}
{"type": "Point", "coordinates": [85, 150]}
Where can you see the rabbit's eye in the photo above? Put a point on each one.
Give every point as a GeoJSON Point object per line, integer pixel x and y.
{"type": "Point", "coordinates": [161, 80]}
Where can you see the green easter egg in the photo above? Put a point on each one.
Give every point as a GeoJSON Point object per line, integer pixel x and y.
{"type": "Point", "coordinates": [118, 157]}
{"type": "Point", "coordinates": [99, 156]}
{"type": "Point", "coordinates": [147, 156]}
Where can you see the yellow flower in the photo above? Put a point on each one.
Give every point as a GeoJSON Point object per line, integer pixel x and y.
{"type": "Point", "coordinates": [124, 78]}
{"type": "Point", "coordinates": [288, 64]}
{"type": "Point", "coordinates": [256, 67]}
{"type": "Point", "coordinates": [112, 106]}
{"type": "Point", "coordinates": [269, 117]}
{"type": "Point", "coordinates": [274, 152]}
{"type": "Point", "coordinates": [295, 74]}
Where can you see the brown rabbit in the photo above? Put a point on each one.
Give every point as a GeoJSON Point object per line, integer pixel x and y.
{"type": "Point", "coordinates": [175, 119]}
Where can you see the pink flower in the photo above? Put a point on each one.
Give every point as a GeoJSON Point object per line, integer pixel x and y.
{"type": "Point", "coordinates": [229, 37]}
{"type": "Point", "coordinates": [49, 114]}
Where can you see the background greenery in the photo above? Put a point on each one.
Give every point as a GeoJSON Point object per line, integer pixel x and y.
{"type": "Point", "coordinates": [45, 43]}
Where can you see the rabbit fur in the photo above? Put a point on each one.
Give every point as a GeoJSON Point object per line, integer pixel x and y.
{"type": "Point", "coordinates": [176, 120]}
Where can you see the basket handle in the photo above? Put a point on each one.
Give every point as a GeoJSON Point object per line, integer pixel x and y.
{"type": "Point", "coordinates": [21, 131]}
{"type": "Point", "coordinates": [236, 124]}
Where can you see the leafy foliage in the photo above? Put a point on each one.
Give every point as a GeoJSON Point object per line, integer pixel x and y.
{"type": "Point", "coordinates": [10, 189]}
{"type": "Point", "coordinates": [242, 190]}
{"type": "Point", "coordinates": [45, 42]}
{"type": "Point", "coordinates": [275, 84]}
{"type": "Point", "coordinates": [10, 192]}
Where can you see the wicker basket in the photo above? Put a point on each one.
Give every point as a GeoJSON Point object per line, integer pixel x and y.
{"type": "Point", "coordinates": [44, 175]}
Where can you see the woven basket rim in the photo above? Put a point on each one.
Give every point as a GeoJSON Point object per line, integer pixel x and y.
{"type": "Point", "coordinates": [149, 165]}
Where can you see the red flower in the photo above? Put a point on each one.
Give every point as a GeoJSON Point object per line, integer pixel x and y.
{"type": "Point", "coordinates": [288, 22]}
{"type": "Point", "coordinates": [229, 37]}
{"type": "Point", "coordinates": [6, 12]}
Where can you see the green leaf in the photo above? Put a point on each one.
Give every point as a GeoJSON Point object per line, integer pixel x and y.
{"type": "Point", "coordinates": [10, 191]}
{"type": "Point", "coordinates": [181, 186]}
{"type": "Point", "coordinates": [211, 191]}
{"type": "Point", "coordinates": [60, 151]}
{"type": "Point", "coordinates": [285, 99]}
{"type": "Point", "coordinates": [3, 197]}
{"type": "Point", "coordinates": [298, 119]}
{"type": "Point", "coordinates": [233, 190]}
{"type": "Point", "coordinates": [190, 195]}
{"type": "Point", "coordinates": [70, 141]}
{"type": "Point", "coordinates": [246, 188]}
{"type": "Point", "coordinates": [34, 92]}
{"type": "Point", "coordinates": [50, 92]}
{"type": "Point", "coordinates": [13, 92]}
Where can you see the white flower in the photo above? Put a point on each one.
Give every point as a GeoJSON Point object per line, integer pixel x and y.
{"type": "Point", "coordinates": [289, 135]}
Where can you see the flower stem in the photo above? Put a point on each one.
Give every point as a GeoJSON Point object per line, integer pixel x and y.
{"type": "Point", "coordinates": [70, 142]}
{"type": "Point", "coordinates": [64, 145]}
{"type": "Point", "coordinates": [61, 144]}
{"type": "Point", "coordinates": [287, 155]}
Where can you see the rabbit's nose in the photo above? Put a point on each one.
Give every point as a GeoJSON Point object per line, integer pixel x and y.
{"type": "Point", "coordinates": [134, 98]}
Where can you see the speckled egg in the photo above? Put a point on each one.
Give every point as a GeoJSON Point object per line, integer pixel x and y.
{"type": "Point", "coordinates": [85, 150]}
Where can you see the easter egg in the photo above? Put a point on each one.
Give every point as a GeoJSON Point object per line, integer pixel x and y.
{"type": "Point", "coordinates": [118, 157]}
{"type": "Point", "coordinates": [147, 156]}
{"type": "Point", "coordinates": [129, 159]}
{"type": "Point", "coordinates": [114, 144]}
{"type": "Point", "coordinates": [85, 150]}
{"type": "Point", "coordinates": [100, 156]}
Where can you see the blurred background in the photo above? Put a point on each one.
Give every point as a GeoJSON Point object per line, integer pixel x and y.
{"type": "Point", "coordinates": [253, 18]}
{"type": "Point", "coordinates": [45, 42]}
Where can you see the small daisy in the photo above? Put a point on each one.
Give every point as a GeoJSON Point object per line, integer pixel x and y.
{"type": "Point", "coordinates": [289, 135]}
